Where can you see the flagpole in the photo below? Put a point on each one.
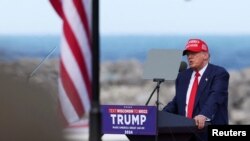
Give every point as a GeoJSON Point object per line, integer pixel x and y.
{"type": "Point", "coordinates": [95, 114]}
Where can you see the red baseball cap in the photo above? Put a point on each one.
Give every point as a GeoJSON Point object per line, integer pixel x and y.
{"type": "Point", "coordinates": [195, 45]}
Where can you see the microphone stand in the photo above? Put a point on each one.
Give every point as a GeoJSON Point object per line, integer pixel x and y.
{"type": "Point", "coordinates": [157, 89]}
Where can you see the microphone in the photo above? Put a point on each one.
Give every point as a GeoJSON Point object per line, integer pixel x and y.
{"type": "Point", "coordinates": [183, 66]}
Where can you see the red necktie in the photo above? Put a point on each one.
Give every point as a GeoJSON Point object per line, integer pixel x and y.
{"type": "Point", "coordinates": [192, 96]}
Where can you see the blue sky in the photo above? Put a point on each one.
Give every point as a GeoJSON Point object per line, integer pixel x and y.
{"type": "Point", "coordinates": [134, 17]}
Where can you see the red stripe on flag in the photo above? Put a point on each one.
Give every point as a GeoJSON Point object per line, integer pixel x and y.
{"type": "Point", "coordinates": [79, 57]}
{"type": "Point", "coordinates": [57, 4]}
{"type": "Point", "coordinates": [83, 16]}
{"type": "Point", "coordinates": [71, 91]}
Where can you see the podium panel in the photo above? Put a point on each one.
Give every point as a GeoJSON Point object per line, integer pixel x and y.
{"type": "Point", "coordinates": [129, 119]}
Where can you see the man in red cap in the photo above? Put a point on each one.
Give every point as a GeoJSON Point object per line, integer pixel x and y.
{"type": "Point", "coordinates": [201, 90]}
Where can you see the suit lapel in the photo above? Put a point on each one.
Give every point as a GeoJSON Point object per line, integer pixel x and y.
{"type": "Point", "coordinates": [203, 83]}
{"type": "Point", "coordinates": [186, 81]}
{"type": "Point", "coordinates": [184, 87]}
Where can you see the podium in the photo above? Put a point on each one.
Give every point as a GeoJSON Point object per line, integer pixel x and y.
{"type": "Point", "coordinates": [171, 127]}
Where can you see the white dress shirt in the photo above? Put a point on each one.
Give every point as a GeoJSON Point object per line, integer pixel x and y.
{"type": "Point", "coordinates": [191, 84]}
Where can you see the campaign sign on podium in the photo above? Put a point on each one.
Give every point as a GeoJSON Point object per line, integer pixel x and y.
{"type": "Point", "coordinates": [128, 119]}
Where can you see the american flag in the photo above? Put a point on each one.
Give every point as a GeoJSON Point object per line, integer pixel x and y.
{"type": "Point", "coordinates": [75, 60]}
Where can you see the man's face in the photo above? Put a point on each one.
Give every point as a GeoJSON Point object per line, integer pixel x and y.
{"type": "Point", "coordinates": [197, 60]}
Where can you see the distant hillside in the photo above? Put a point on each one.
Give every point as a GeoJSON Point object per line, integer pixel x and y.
{"type": "Point", "coordinates": [121, 83]}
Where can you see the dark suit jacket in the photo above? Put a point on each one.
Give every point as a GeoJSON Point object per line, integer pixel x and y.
{"type": "Point", "coordinates": [212, 94]}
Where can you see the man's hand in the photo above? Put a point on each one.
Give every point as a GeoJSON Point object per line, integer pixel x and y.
{"type": "Point", "coordinates": [200, 121]}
